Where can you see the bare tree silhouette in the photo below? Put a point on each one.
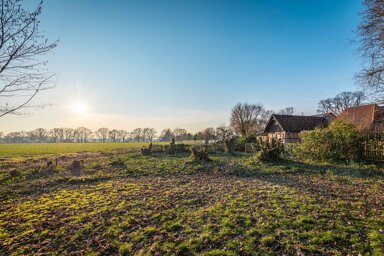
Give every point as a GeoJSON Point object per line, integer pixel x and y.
{"type": "Point", "coordinates": [23, 72]}
{"type": "Point", "coordinates": [370, 32]}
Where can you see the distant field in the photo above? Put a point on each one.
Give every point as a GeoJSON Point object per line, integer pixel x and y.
{"type": "Point", "coordinates": [39, 149]}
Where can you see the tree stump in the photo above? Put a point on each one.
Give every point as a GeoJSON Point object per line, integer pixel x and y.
{"type": "Point", "coordinates": [75, 167]}
{"type": "Point", "coordinates": [147, 151]}
{"type": "Point", "coordinates": [50, 169]}
{"type": "Point", "coordinates": [199, 154]}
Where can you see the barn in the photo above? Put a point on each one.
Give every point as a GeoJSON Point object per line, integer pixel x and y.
{"type": "Point", "coordinates": [288, 127]}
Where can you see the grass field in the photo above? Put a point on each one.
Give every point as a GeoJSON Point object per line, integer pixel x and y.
{"type": "Point", "coordinates": [128, 204]}
{"type": "Point", "coordinates": [44, 149]}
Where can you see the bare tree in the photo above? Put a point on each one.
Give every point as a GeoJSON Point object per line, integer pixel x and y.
{"type": "Point", "coordinates": [371, 48]}
{"type": "Point", "coordinates": [209, 134]}
{"type": "Point", "coordinates": [61, 134]}
{"type": "Point", "coordinates": [102, 133]}
{"type": "Point", "coordinates": [77, 135]}
{"type": "Point", "coordinates": [149, 133]}
{"type": "Point", "coordinates": [166, 135]}
{"type": "Point", "coordinates": [41, 134]}
{"type": "Point", "coordinates": [223, 133]}
{"type": "Point", "coordinates": [56, 134]}
{"type": "Point", "coordinates": [15, 137]}
{"type": "Point", "coordinates": [68, 134]}
{"type": "Point", "coordinates": [87, 133]}
{"type": "Point", "coordinates": [22, 46]}
{"type": "Point", "coordinates": [113, 135]}
{"type": "Point", "coordinates": [288, 111]}
{"type": "Point", "coordinates": [137, 134]}
{"type": "Point", "coordinates": [32, 136]}
{"type": "Point", "coordinates": [341, 101]}
{"type": "Point", "coordinates": [264, 118]}
{"type": "Point", "coordinates": [247, 118]}
{"type": "Point", "coordinates": [179, 134]}
{"type": "Point", "coordinates": [122, 134]}
{"type": "Point", "coordinates": [144, 133]}
{"type": "Point", "coordinates": [82, 134]}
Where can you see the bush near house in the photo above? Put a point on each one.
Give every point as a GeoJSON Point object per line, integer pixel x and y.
{"type": "Point", "coordinates": [340, 142]}
{"type": "Point", "coordinates": [239, 143]}
{"type": "Point", "coordinates": [270, 151]}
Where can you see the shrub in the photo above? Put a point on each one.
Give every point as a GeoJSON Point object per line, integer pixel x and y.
{"type": "Point", "coordinates": [239, 142]}
{"type": "Point", "coordinates": [270, 151]}
{"type": "Point", "coordinates": [339, 142]}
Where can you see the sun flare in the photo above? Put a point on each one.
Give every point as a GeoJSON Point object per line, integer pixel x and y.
{"type": "Point", "coordinates": [79, 107]}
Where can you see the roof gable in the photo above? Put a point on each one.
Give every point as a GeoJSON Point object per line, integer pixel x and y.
{"type": "Point", "coordinates": [290, 123]}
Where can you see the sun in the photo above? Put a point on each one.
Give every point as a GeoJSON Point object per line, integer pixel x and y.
{"type": "Point", "coordinates": [79, 107]}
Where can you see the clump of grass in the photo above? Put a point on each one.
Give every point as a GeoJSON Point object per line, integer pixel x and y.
{"type": "Point", "coordinates": [183, 249]}
{"type": "Point", "coordinates": [267, 241]}
{"type": "Point", "coordinates": [376, 240]}
{"type": "Point", "coordinates": [125, 249]}
{"type": "Point", "coordinates": [218, 252]}
{"type": "Point", "coordinates": [173, 227]}
{"type": "Point", "coordinates": [150, 231]}
{"type": "Point", "coordinates": [14, 173]}
{"type": "Point", "coordinates": [118, 164]}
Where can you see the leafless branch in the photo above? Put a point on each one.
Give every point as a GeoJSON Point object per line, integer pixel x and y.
{"type": "Point", "coordinates": [371, 40]}
{"type": "Point", "coordinates": [22, 47]}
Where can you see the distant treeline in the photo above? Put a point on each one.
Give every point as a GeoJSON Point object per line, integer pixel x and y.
{"type": "Point", "coordinates": [245, 121]}
{"type": "Point", "coordinates": [83, 134]}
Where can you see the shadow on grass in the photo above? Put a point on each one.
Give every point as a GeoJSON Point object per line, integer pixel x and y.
{"type": "Point", "coordinates": [330, 181]}
{"type": "Point", "coordinates": [353, 171]}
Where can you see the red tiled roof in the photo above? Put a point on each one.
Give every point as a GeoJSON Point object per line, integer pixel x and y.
{"type": "Point", "coordinates": [363, 116]}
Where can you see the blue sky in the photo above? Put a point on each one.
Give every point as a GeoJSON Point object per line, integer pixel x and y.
{"type": "Point", "coordinates": [186, 63]}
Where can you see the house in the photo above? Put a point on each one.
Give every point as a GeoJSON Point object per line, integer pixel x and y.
{"type": "Point", "coordinates": [287, 127]}
{"type": "Point", "coordinates": [367, 118]}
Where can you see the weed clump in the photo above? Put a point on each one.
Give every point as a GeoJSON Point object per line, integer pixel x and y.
{"type": "Point", "coordinates": [267, 241]}
{"type": "Point", "coordinates": [51, 168]}
{"type": "Point", "coordinates": [118, 163]}
{"type": "Point", "coordinates": [14, 173]}
{"type": "Point", "coordinates": [125, 249]}
{"type": "Point", "coordinates": [199, 154]}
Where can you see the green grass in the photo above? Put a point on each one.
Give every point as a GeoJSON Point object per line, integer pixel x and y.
{"type": "Point", "coordinates": [43, 149]}
{"type": "Point", "coordinates": [129, 204]}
